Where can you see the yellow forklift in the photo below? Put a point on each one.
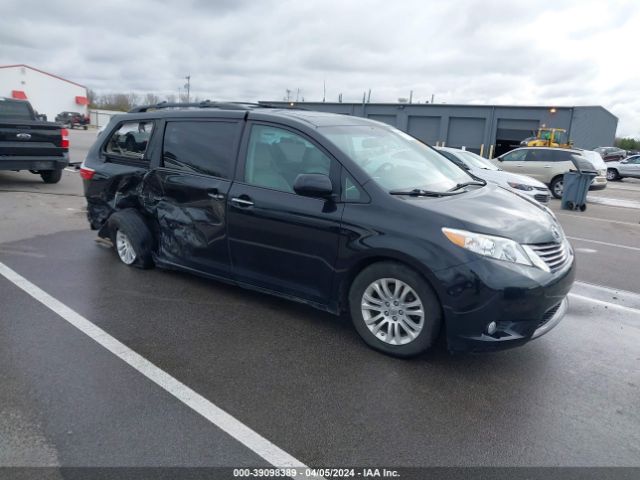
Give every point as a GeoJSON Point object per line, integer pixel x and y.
{"type": "Point", "coordinates": [549, 137]}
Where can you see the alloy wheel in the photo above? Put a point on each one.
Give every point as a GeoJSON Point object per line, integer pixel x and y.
{"type": "Point", "coordinates": [392, 311]}
{"type": "Point", "coordinates": [125, 250]}
{"type": "Point", "coordinates": [558, 188]}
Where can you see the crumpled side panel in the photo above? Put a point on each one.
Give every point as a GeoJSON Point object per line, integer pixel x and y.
{"type": "Point", "coordinates": [107, 195]}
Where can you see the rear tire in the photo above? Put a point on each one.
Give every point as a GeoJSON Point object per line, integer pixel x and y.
{"type": "Point", "coordinates": [51, 176]}
{"type": "Point", "coordinates": [131, 238]}
{"type": "Point", "coordinates": [409, 313]}
{"type": "Point", "coordinates": [557, 186]}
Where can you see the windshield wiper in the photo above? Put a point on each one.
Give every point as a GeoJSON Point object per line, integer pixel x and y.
{"type": "Point", "coordinates": [418, 192]}
{"type": "Point", "coordinates": [466, 184]}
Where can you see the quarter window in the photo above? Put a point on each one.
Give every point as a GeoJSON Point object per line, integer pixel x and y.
{"type": "Point", "coordinates": [130, 140]}
{"type": "Point", "coordinates": [201, 147]}
{"type": "Point", "coordinates": [276, 157]}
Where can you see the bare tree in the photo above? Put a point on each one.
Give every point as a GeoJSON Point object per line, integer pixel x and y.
{"type": "Point", "coordinates": [151, 99]}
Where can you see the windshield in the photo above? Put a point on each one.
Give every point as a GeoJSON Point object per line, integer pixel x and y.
{"type": "Point", "coordinates": [395, 160]}
{"type": "Point", "coordinates": [475, 160]}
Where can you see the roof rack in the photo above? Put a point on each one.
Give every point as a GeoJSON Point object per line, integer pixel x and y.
{"type": "Point", "coordinates": [204, 104]}
{"type": "Point", "coordinates": [209, 104]}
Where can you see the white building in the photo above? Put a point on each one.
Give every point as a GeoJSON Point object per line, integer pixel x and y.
{"type": "Point", "coordinates": [47, 93]}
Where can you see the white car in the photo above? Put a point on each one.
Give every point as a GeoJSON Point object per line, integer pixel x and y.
{"type": "Point", "coordinates": [485, 169]}
{"type": "Point", "coordinates": [629, 167]}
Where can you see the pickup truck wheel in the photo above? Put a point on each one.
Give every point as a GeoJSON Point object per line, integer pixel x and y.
{"type": "Point", "coordinates": [394, 309]}
{"type": "Point", "coordinates": [51, 176]}
{"type": "Point", "coordinates": [132, 238]}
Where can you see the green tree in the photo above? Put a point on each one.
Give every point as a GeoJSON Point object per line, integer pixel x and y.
{"type": "Point", "coordinates": [628, 143]}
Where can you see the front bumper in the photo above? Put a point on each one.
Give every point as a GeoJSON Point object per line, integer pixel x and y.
{"type": "Point", "coordinates": [34, 163]}
{"type": "Point", "coordinates": [524, 302]}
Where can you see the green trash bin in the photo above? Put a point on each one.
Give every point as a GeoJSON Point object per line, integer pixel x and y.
{"type": "Point", "coordinates": [575, 189]}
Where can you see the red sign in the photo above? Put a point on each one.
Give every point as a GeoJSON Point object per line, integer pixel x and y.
{"type": "Point", "coordinates": [18, 94]}
{"type": "Point", "coordinates": [82, 100]}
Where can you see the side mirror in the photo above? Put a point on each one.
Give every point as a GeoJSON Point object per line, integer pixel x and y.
{"type": "Point", "coordinates": [313, 185]}
{"type": "Point", "coordinates": [624, 161]}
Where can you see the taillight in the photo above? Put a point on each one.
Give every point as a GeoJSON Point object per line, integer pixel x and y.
{"type": "Point", "coordinates": [87, 173]}
{"type": "Point", "coordinates": [65, 138]}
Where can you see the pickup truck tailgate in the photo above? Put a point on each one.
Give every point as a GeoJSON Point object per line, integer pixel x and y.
{"type": "Point", "coordinates": [30, 139]}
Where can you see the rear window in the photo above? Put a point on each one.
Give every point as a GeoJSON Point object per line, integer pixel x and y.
{"type": "Point", "coordinates": [130, 140]}
{"type": "Point", "coordinates": [15, 109]}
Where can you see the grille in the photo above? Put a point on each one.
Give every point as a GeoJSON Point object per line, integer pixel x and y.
{"type": "Point", "coordinates": [541, 198]}
{"type": "Point", "coordinates": [555, 255]}
{"type": "Point", "coordinates": [541, 189]}
{"type": "Point", "coordinates": [548, 314]}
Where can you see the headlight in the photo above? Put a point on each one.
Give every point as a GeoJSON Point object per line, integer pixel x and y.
{"type": "Point", "coordinates": [520, 186]}
{"type": "Point", "coordinates": [489, 246]}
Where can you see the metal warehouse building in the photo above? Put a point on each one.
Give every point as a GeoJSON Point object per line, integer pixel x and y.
{"type": "Point", "coordinates": [479, 127]}
{"type": "Point", "coordinates": [47, 93]}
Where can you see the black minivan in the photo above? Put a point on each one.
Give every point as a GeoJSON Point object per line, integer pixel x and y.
{"type": "Point", "coordinates": [339, 212]}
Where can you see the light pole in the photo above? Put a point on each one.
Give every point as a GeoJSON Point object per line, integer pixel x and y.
{"type": "Point", "coordinates": [188, 86]}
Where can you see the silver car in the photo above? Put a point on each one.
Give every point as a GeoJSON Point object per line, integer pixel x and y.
{"type": "Point", "coordinates": [485, 169]}
{"type": "Point", "coordinates": [629, 167]}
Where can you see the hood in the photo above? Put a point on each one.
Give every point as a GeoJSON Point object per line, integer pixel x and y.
{"type": "Point", "coordinates": [503, 178]}
{"type": "Point", "coordinates": [493, 210]}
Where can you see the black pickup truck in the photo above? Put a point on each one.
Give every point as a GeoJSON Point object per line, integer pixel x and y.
{"type": "Point", "coordinates": [30, 144]}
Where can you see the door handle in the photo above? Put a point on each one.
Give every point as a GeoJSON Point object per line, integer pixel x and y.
{"type": "Point", "coordinates": [546, 166]}
{"type": "Point", "coordinates": [242, 202]}
{"type": "Point", "coordinates": [213, 193]}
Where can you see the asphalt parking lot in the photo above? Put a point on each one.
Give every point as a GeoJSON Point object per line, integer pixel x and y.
{"type": "Point", "coordinates": [298, 378]}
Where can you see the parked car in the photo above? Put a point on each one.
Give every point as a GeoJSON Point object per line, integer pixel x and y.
{"type": "Point", "coordinates": [72, 119]}
{"type": "Point", "coordinates": [27, 143]}
{"type": "Point", "coordinates": [611, 154]}
{"type": "Point", "coordinates": [485, 169]}
{"type": "Point", "coordinates": [629, 167]}
{"type": "Point", "coordinates": [342, 213]}
{"type": "Point", "coordinates": [548, 165]}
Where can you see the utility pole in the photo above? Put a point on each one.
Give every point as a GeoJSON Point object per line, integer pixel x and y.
{"type": "Point", "coordinates": [369, 96]}
{"type": "Point", "coordinates": [432, 97]}
{"type": "Point", "coordinates": [324, 91]}
{"type": "Point", "coordinates": [188, 86]}
{"type": "Point", "coordinates": [411, 96]}
{"type": "Point", "coordinates": [297, 95]}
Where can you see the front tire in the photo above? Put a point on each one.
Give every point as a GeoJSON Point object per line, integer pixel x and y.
{"type": "Point", "coordinates": [612, 174]}
{"type": "Point", "coordinates": [557, 187]}
{"type": "Point", "coordinates": [51, 176]}
{"type": "Point", "coordinates": [131, 238]}
{"type": "Point", "coordinates": [394, 309]}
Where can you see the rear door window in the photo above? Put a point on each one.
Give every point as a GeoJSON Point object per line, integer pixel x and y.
{"type": "Point", "coordinates": [204, 147]}
{"type": "Point", "coordinates": [130, 140]}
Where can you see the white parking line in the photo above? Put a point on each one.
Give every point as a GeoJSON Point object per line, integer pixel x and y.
{"type": "Point", "coordinates": [242, 433]}
{"type": "Point", "coordinates": [597, 219]}
{"type": "Point", "coordinates": [616, 245]}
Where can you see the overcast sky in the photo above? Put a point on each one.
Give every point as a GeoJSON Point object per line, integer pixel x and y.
{"type": "Point", "coordinates": [482, 52]}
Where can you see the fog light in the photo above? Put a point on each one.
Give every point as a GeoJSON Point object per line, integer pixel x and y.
{"type": "Point", "coordinates": [491, 328]}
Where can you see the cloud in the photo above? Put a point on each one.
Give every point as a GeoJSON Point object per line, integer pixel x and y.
{"type": "Point", "coordinates": [491, 51]}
